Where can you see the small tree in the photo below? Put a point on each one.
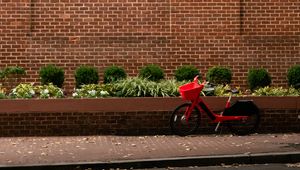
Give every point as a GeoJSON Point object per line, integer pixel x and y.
{"type": "Point", "coordinates": [10, 77]}
{"type": "Point", "coordinates": [113, 74]}
{"type": "Point", "coordinates": [186, 72]}
{"type": "Point", "coordinates": [219, 75]}
{"type": "Point", "coordinates": [293, 76]}
{"type": "Point", "coordinates": [52, 74]}
{"type": "Point", "coordinates": [152, 72]}
{"type": "Point", "coordinates": [86, 75]}
{"type": "Point", "coordinates": [258, 78]}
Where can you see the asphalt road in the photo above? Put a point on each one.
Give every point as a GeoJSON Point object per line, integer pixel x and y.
{"type": "Point", "coordinates": [239, 167]}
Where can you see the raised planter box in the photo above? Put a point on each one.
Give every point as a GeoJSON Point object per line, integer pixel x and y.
{"type": "Point", "coordinates": [133, 104]}
{"type": "Point", "coordinates": [127, 115]}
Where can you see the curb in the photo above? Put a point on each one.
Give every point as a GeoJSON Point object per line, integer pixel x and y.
{"type": "Point", "coordinates": [262, 158]}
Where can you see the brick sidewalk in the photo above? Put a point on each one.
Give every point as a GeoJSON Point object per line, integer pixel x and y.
{"type": "Point", "coordinates": [80, 149]}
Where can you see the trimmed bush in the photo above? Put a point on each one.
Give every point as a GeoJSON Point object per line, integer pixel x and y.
{"type": "Point", "coordinates": [186, 73]}
{"type": "Point", "coordinates": [52, 74]}
{"type": "Point", "coordinates": [219, 75]}
{"type": "Point", "coordinates": [258, 78]}
{"type": "Point", "coordinates": [152, 72]}
{"type": "Point", "coordinates": [113, 74]}
{"type": "Point", "coordinates": [293, 76]}
{"type": "Point", "coordinates": [86, 75]}
{"type": "Point", "coordinates": [15, 70]}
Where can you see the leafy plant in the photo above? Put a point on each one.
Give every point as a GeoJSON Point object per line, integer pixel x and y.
{"type": "Point", "coordinates": [169, 88]}
{"type": "Point", "coordinates": [114, 73]}
{"type": "Point", "coordinates": [225, 90]}
{"type": "Point", "coordinates": [186, 73]}
{"type": "Point", "coordinates": [90, 91]}
{"type": "Point", "coordinates": [141, 87]}
{"type": "Point", "coordinates": [52, 74]}
{"type": "Point", "coordinates": [2, 92]}
{"type": "Point", "coordinates": [25, 91]}
{"type": "Point", "coordinates": [152, 72]}
{"type": "Point", "coordinates": [15, 70]}
{"type": "Point", "coordinates": [293, 76]}
{"type": "Point", "coordinates": [86, 75]}
{"type": "Point", "coordinates": [49, 91]}
{"type": "Point", "coordinates": [258, 78]}
{"type": "Point", "coordinates": [219, 75]}
{"type": "Point", "coordinates": [276, 91]}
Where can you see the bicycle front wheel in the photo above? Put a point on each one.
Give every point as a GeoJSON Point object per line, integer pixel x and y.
{"type": "Point", "coordinates": [182, 126]}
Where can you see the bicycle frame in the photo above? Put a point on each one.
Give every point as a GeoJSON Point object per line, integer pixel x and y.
{"type": "Point", "coordinates": [216, 118]}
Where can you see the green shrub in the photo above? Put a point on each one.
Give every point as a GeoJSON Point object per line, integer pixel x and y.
{"type": "Point", "coordinates": [186, 73]}
{"type": "Point", "coordinates": [86, 75]}
{"type": "Point", "coordinates": [141, 87]}
{"type": "Point", "coordinates": [152, 72]}
{"type": "Point", "coordinates": [258, 78]}
{"type": "Point", "coordinates": [276, 91]}
{"type": "Point", "coordinates": [293, 76]}
{"type": "Point", "coordinates": [219, 75]}
{"type": "Point", "coordinates": [113, 74]}
{"type": "Point", "coordinates": [225, 90]}
{"type": "Point", "coordinates": [2, 92]}
{"type": "Point", "coordinates": [14, 70]}
{"type": "Point", "coordinates": [52, 74]}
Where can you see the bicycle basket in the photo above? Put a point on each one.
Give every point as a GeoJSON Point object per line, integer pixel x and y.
{"type": "Point", "coordinates": [190, 91]}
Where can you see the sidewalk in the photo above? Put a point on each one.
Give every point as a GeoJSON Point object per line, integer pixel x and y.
{"type": "Point", "coordinates": [140, 151]}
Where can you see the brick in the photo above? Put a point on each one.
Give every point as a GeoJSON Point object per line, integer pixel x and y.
{"type": "Point", "coordinates": [132, 34]}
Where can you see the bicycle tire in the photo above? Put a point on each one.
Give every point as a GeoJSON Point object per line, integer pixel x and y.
{"type": "Point", "coordinates": [246, 126]}
{"type": "Point", "coordinates": [178, 123]}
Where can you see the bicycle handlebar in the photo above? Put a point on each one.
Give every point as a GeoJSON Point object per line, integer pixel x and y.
{"type": "Point", "coordinates": [197, 81]}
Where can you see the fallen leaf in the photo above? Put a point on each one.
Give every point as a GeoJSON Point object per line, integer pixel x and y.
{"type": "Point", "coordinates": [297, 165]}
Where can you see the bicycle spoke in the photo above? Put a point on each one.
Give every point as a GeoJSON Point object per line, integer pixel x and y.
{"type": "Point", "coordinates": [182, 125]}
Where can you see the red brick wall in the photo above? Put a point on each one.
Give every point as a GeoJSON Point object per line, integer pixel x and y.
{"type": "Point", "coordinates": [126, 123]}
{"type": "Point", "coordinates": [240, 34]}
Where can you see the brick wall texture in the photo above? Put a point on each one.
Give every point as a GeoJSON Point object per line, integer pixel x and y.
{"type": "Point", "coordinates": [240, 34]}
{"type": "Point", "coordinates": [126, 123]}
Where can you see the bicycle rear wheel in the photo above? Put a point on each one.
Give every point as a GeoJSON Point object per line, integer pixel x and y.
{"type": "Point", "coordinates": [178, 123]}
{"type": "Point", "coordinates": [244, 126]}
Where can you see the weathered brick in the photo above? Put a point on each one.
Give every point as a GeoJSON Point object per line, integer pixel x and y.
{"type": "Point", "coordinates": [239, 34]}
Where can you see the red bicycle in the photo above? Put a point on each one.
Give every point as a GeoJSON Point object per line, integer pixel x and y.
{"type": "Point", "coordinates": [242, 118]}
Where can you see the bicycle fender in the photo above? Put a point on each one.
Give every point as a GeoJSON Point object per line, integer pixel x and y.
{"type": "Point", "coordinates": [241, 108]}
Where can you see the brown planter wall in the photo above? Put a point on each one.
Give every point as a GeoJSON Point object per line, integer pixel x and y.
{"type": "Point", "coordinates": [127, 116]}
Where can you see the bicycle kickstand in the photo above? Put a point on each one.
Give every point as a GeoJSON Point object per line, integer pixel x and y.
{"type": "Point", "coordinates": [216, 129]}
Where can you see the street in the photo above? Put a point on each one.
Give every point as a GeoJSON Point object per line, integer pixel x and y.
{"type": "Point", "coordinates": [240, 167]}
